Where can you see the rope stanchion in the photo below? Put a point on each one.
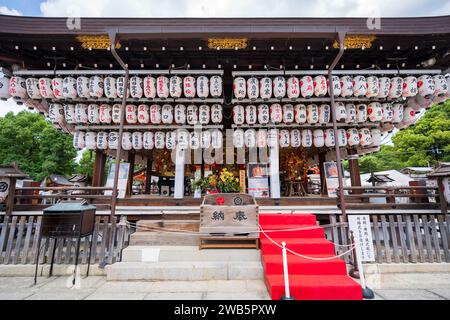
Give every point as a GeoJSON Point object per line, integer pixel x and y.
{"type": "Point", "coordinates": [287, 291]}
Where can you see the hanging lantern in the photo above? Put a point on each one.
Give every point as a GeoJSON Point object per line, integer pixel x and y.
{"type": "Point", "coordinates": [346, 86]}
{"type": "Point", "coordinates": [307, 87]}
{"type": "Point", "coordinates": [120, 84]}
{"type": "Point", "coordinates": [423, 102]}
{"type": "Point", "coordinates": [81, 115]}
{"type": "Point", "coordinates": [318, 138]}
{"type": "Point", "coordinates": [320, 86]}
{"type": "Point", "coordinates": [4, 87]}
{"type": "Point", "coordinates": [95, 87]}
{"type": "Point", "coordinates": [238, 114]}
{"type": "Point", "coordinates": [204, 114]}
{"type": "Point", "coordinates": [110, 87]}
{"type": "Point", "coordinates": [279, 87]}
{"type": "Point", "coordinates": [413, 103]}
{"type": "Point", "coordinates": [216, 113]}
{"type": "Point", "coordinates": [127, 142]}
{"type": "Point", "coordinates": [276, 113]}
{"type": "Point", "coordinates": [150, 87]}
{"type": "Point", "coordinates": [238, 138]}
{"type": "Point", "coordinates": [384, 84]}
{"type": "Point", "coordinates": [307, 138]}
{"type": "Point", "coordinates": [195, 140]}
{"type": "Point", "coordinates": [426, 86]}
{"type": "Point", "coordinates": [160, 140]}
{"type": "Point", "coordinates": [288, 113]}
{"type": "Point", "coordinates": [342, 137]}
{"type": "Point", "coordinates": [69, 113]}
{"type": "Point", "coordinates": [17, 87]}
{"type": "Point", "coordinates": [261, 138]}
{"type": "Point", "coordinates": [79, 140]}
{"type": "Point", "coordinates": [359, 86]}
{"type": "Point", "coordinates": [239, 88]}
{"type": "Point", "coordinates": [376, 137]}
{"type": "Point", "coordinates": [171, 138]}
{"type": "Point", "coordinates": [116, 113]}
{"type": "Point", "coordinates": [136, 87]}
{"type": "Point", "coordinates": [373, 87]}
{"type": "Point", "coordinates": [284, 138]}
{"type": "Point", "coordinates": [293, 88]}
{"type": "Point", "coordinates": [57, 87]}
{"type": "Point", "coordinates": [113, 139]}
{"type": "Point", "coordinates": [353, 137]}
{"type": "Point", "coordinates": [131, 114]}
{"type": "Point", "coordinates": [183, 139]}
{"type": "Point", "coordinates": [175, 86]}
{"type": "Point", "coordinates": [162, 87]}
{"type": "Point", "coordinates": [91, 140]}
{"type": "Point", "coordinates": [192, 114]}
{"type": "Point", "coordinates": [189, 87]}
{"type": "Point", "coordinates": [216, 139]}
{"type": "Point", "coordinates": [252, 88]}
{"type": "Point", "coordinates": [312, 113]}
{"type": "Point", "coordinates": [180, 114]}
{"type": "Point", "coordinates": [147, 140]}
{"type": "Point", "coordinates": [324, 113]}
{"type": "Point", "coordinates": [45, 88]}
{"type": "Point", "coordinates": [296, 139]}
{"type": "Point", "coordinates": [250, 114]}
{"type": "Point", "coordinates": [439, 99]}
{"type": "Point", "coordinates": [440, 86]}
{"type": "Point", "coordinates": [265, 88]}
{"type": "Point", "coordinates": [396, 88]}
{"type": "Point", "coordinates": [143, 114]}
{"type": "Point", "coordinates": [32, 85]}
{"type": "Point", "coordinates": [272, 137]}
{"type": "Point", "coordinates": [215, 86]}
{"type": "Point", "coordinates": [300, 113]}
{"type": "Point", "coordinates": [409, 116]}
{"type": "Point", "coordinates": [397, 113]}
{"type": "Point", "coordinates": [263, 114]}
{"type": "Point", "coordinates": [375, 112]}
{"type": "Point", "coordinates": [202, 87]}
{"type": "Point", "coordinates": [102, 140]}
{"type": "Point", "coordinates": [350, 109]}
{"type": "Point", "coordinates": [361, 113]}
{"type": "Point", "coordinates": [328, 135]}
{"type": "Point", "coordinates": [250, 138]}
{"type": "Point", "coordinates": [205, 139]}
{"type": "Point", "coordinates": [388, 113]}
{"type": "Point", "coordinates": [70, 88]}
{"type": "Point", "coordinates": [167, 114]}
{"type": "Point", "coordinates": [155, 114]}
{"type": "Point", "coordinates": [55, 113]}
{"type": "Point", "coordinates": [409, 87]}
{"type": "Point", "coordinates": [365, 138]}
{"type": "Point", "coordinates": [93, 114]}
{"type": "Point", "coordinates": [341, 112]}
{"type": "Point", "coordinates": [336, 86]}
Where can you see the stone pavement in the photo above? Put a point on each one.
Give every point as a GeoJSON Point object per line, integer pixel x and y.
{"type": "Point", "coordinates": [404, 286]}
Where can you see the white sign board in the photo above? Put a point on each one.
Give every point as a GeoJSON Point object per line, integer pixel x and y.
{"type": "Point", "coordinates": [362, 233]}
{"type": "Point", "coordinates": [332, 178]}
{"type": "Point", "coordinates": [123, 179]}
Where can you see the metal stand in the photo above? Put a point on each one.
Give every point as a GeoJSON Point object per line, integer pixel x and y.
{"type": "Point", "coordinates": [367, 293]}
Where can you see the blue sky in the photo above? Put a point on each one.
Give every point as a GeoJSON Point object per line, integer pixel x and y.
{"type": "Point", "coordinates": [26, 7]}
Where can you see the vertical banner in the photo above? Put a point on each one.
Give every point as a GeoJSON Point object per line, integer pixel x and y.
{"type": "Point", "coordinates": [242, 182]}
{"type": "Point", "coordinates": [123, 179]}
{"type": "Point", "coordinates": [362, 232]}
{"type": "Point", "coordinates": [258, 180]}
{"type": "Point", "coordinates": [179, 173]}
{"type": "Point", "coordinates": [332, 178]}
{"type": "Point", "coordinates": [274, 166]}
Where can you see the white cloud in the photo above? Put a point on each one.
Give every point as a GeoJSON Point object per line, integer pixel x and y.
{"type": "Point", "coordinates": [8, 11]}
{"type": "Point", "coordinates": [10, 105]}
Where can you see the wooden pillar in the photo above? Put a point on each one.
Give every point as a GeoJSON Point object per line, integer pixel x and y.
{"type": "Point", "coordinates": [99, 168]}
{"type": "Point", "coordinates": [148, 175]}
{"type": "Point", "coordinates": [323, 181]}
{"type": "Point", "coordinates": [355, 175]}
{"type": "Point", "coordinates": [131, 158]}
{"type": "Point", "coordinates": [442, 198]}
{"type": "Point", "coordinates": [11, 196]}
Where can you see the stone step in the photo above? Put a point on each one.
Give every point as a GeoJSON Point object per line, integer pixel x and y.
{"type": "Point", "coordinates": [182, 225]}
{"type": "Point", "coordinates": [187, 253]}
{"type": "Point", "coordinates": [184, 271]}
{"type": "Point", "coordinates": [163, 238]}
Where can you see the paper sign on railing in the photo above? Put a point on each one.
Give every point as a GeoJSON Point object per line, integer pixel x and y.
{"type": "Point", "coordinates": [362, 232]}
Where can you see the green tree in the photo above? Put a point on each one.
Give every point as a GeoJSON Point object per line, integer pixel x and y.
{"type": "Point", "coordinates": [39, 149]}
{"type": "Point", "coordinates": [86, 164]}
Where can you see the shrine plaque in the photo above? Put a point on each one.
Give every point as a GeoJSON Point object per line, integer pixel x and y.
{"type": "Point", "coordinates": [362, 233]}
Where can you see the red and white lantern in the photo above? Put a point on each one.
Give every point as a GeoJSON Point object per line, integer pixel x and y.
{"type": "Point", "coordinates": [136, 87]}
{"type": "Point", "coordinates": [160, 140]}
{"type": "Point", "coordinates": [204, 114]}
{"type": "Point", "coordinates": [279, 87]}
{"type": "Point", "coordinates": [4, 87]}
{"type": "Point", "coordinates": [110, 87]}
{"type": "Point", "coordinates": [318, 138]}
{"type": "Point", "coordinates": [215, 86]}
{"type": "Point", "coordinates": [202, 87]}
{"type": "Point", "coordinates": [216, 113]}
{"type": "Point", "coordinates": [409, 87]}
{"type": "Point", "coordinates": [324, 113]}
{"type": "Point", "coordinates": [384, 84]}
{"type": "Point", "coordinates": [171, 139]}
{"type": "Point", "coordinates": [205, 139]}
{"type": "Point", "coordinates": [162, 87]}
{"type": "Point", "coordinates": [32, 85]}
{"type": "Point", "coordinates": [150, 87]}
{"type": "Point", "coordinates": [45, 88]}
{"type": "Point", "coordinates": [346, 86]}
{"type": "Point", "coordinates": [261, 138]}
{"type": "Point", "coordinates": [216, 139]}
{"type": "Point", "coordinates": [320, 86]}
{"type": "Point", "coordinates": [104, 114]}
{"type": "Point", "coordinates": [361, 113]}
{"type": "Point", "coordinates": [175, 86]}
{"type": "Point", "coordinates": [192, 114]}
{"type": "Point", "coordinates": [365, 138]}
{"type": "Point", "coordinates": [336, 83]}
{"type": "Point", "coordinates": [127, 143]}
{"type": "Point", "coordinates": [251, 116]}
{"type": "Point", "coordinates": [148, 140]}
{"type": "Point", "coordinates": [373, 87]}
{"type": "Point", "coordinates": [57, 87]}
{"type": "Point", "coordinates": [396, 88]}
{"type": "Point", "coordinates": [409, 116]}
{"type": "Point", "coordinates": [440, 86]}
{"type": "Point", "coordinates": [276, 113]}
{"type": "Point", "coordinates": [239, 88]}
{"type": "Point", "coordinates": [307, 87]}
{"type": "Point", "coordinates": [69, 113]}
{"type": "Point", "coordinates": [116, 113]}
{"type": "Point", "coordinates": [284, 138]}
{"type": "Point", "coordinates": [342, 137]}
{"type": "Point", "coordinates": [252, 88]}
{"type": "Point", "coordinates": [350, 109]}
{"type": "Point", "coordinates": [113, 140]}
{"type": "Point", "coordinates": [329, 137]}
{"type": "Point", "coordinates": [263, 114]}
{"type": "Point", "coordinates": [426, 86]}
{"type": "Point", "coordinates": [359, 86]}
{"type": "Point", "coordinates": [167, 114]}
{"type": "Point", "coordinates": [93, 114]}
{"type": "Point", "coordinates": [272, 137]}
{"type": "Point", "coordinates": [238, 114]}
{"type": "Point", "coordinates": [341, 112]}
{"type": "Point", "coordinates": [375, 112]}
{"type": "Point", "coordinates": [238, 138]}
{"type": "Point", "coordinates": [17, 87]}
{"type": "Point", "coordinates": [81, 115]}
{"type": "Point", "coordinates": [307, 138]}
{"type": "Point", "coordinates": [388, 113]}
{"type": "Point", "coordinates": [95, 87]}
{"type": "Point", "coordinates": [250, 138]}
{"type": "Point", "coordinates": [312, 113]}
{"type": "Point", "coordinates": [143, 114]}
{"type": "Point", "coordinates": [189, 88]}
{"type": "Point", "coordinates": [397, 113]}
{"type": "Point", "coordinates": [376, 137]}
{"type": "Point", "coordinates": [296, 138]}
{"type": "Point", "coordinates": [180, 114]}
{"type": "Point", "coordinates": [155, 114]}
{"type": "Point", "coordinates": [265, 88]}
{"type": "Point", "coordinates": [91, 140]}
{"type": "Point", "coordinates": [353, 137]}
{"type": "Point", "coordinates": [102, 140]}
{"type": "Point", "coordinates": [131, 114]}
{"type": "Point", "coordinates": [121, 85]}
{"type": "Point", "coordinates": [288, 113]}
{"type": "Point", "coordinates": [293, 88]}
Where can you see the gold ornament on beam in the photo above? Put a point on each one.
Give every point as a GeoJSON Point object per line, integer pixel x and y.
{"type": "Point", "coordinates": [227, 43]}
{"type": "Point", "coordinates": [96, 42]}
{"type": "Point", "coordinates": [356, 42]}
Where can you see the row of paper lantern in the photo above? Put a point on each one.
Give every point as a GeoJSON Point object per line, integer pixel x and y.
{"type": "Point", "coordinates": [141, 114]}
{"type": "Point", "coordinates": [313, 114]}
{"type": "Point", "coordinates": [345, 86]}
{"type": "Point", "coordinates": [110, 87]}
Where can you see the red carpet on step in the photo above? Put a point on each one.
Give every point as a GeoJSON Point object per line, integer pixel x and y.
{"type": "Point", "coordinates": [308, 279]}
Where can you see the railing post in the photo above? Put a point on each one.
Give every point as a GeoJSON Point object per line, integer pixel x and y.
{"type": "Point", "coordinates": [442, 199]}
{"type": "Point", "coordinates": [287, 291]}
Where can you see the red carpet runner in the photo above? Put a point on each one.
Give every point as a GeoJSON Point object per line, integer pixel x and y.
{"type": "Point", "coordinates": [308, 279]}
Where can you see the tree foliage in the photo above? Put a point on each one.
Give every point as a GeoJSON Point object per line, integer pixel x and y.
{"type": "Point", "coordinates": [86, 164]}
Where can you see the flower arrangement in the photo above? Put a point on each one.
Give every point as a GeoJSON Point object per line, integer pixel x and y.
{"type": "Point", "coordinates": [223, 181]}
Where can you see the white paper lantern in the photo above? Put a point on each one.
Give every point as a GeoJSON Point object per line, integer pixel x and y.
{"type": "Point", "coordinates": [365, 138]}
{"type": "Point", "coordinates": [300, 113]}
{"type": "Point", "coordinates": [120, 85]}
{"type": "Point", "coordinates": [375, 112]}
{"type": "Point", "coordinates": [171, 139]}
{"type": "Point", "coordinates": [252, 88]}
{"type": "Point", "coordinates": [279, 87]}
{"type": "Point", "coordinates": [276, 113]}
{"type": "Point", "coordinates": [192, 114]}
{"type": "Point", "coordinates": [413, 103]}
{"type": "Point", "coordinates": [328, 135]}
{"type": "Point", "coordinates": [45, 88]}
{"type": "Point", "coordinates": [439, 99]}
{"type": "Point", "coordinates": [353, 137]}
{"type": "Point", "coordinates": [113, 140]}
{"type": "Point", "coordinates": [307, 86]}
{"type": "Point", "coordinates": [136, 87]}
{"type": "Point", "coordinates": [56, 113]}
{"type": "Point", "coordinates": [250, 138]}
{"type": "Point", "coordinates": [238, 138]}
{"type": "Point", "coordinates": [320, 86]}
{"type": "Point", "coordinates": [346, 86]}
{"type": "Point", "coordinates": [342, 137]}
{"type": "Point", "coordinates": [239, 88]}
{"type": "Point", "coordinates": [409, 116]}
{"type": "Point", "coordinates": [150, 87]}
{"type": "Point", "coordinates": [312, 113]}
{"type": "Point", "coordinates": [440, 86]}
{"type": "Point", "coordinates": [351, 113]}
{"type": "Point", "coordinates": [263, 114]}
{"type": "Point", "coordinates": [202, 87]}
{"type": "Point", "coordinates": [388, 113]}
{"type": "Point", "coordinates": [91, 140]}
{"type": "Point", "coordinates": [81, 115]}
{"type": "Point", "coordinates": [409, 87]}
{"type": "Point", "coordinates": [205, 139]}
{"type": "Point", "coordinates": [79, 141]}
{"type": "Point", "coordinates": [148, 140]}
{"type": "Point", "coordinates": [288, 113]}
{"type": "Point", "coordinates": [180, 114]}
{"type": "Point", "coordinates": [376, 137]}
{"type": "Point", "coordinates": [4, 87]}
{"type": "Point", "coordinates": [272, 137]}
{"type": "Point", "coordinates": [238, 114]}
{"type": "Point", "coordinates": [215, 86]}
{"type": "Point", "coordinates": [155, 114]}
{"type": "Point", "coordinates": [17, 87]}
{"type": "Point", "coordinates": [195, 140]}
{"type": "Point", "coordinates": [396, 88]}
{"type": "Point", "coordinates": [307, 138]}
{"type": "Point", "coordinates": [127, 143]}
{"type": "Point", "coordinates": [131, 114]}
{"type": "Point", "coordinates": [160, 140]}
{"type": "Point", "coordinates": [361, 113]}
{"type": "Point", "coordinates": [293, 88]}
{"type": "Point", "coordinates": [110, 87]}
{"type": "Point", "coordinates": [359, 86]}
{"type": "Point", "coordinates": [216, 138]}
{"type": "Point", "coordinates": [57, 87]}
{"type": "Point", "coordinates": [116, 113]}
{"type": "Point", "coordinates": [284, 138]}
{"type": "Point", "coordinates": [423, 102]}
{"type": "Point", "coordinates": [426, 86]}
{"type": "Point", "coordinates": [162, 87]}
{"type": "Point", "coordinates": [32, 85]}
{"type": "Point", "coordinates": [265, 88]}
{"type": "Point", "coordinates": [336, 83]}
{"type": "Point", "coordinates": [95, 87]}
{"type": "Point", "coordinates": [251, 115]}
{"type": "Point", "coordinates": [167, 114]}
{"type": "Point", "coordinates": [175, 86]}
{"type": "Point", "coordinates": [70, 88]}
{"type": "Point", "coordinates": [384, 84]}
{"type": "Point", "coordinates": [69, 113]}
{"type": "Point", "coordinates": [102, 140]}
{"type": "Point", "coordinates": [93, 113]}
{"type": "Point", "coordinates": [216, 113]}
{"type": "Point", "coordinates": [261, 138]}
{"type": "Point", "coordinates": [183, 139]}
{"type": "Point", "coordinates": [373, 87]}
{"type": "Point", "coordinates": [189, 87]}
{"type": "Point", "coordinates": [397, 113]}
{"type": "Point", "coordinates": [318, 138]}
{"type": "Point", "coordinates": [324, 113]}
{"type": "Point", "coordinates": [204, 114]}
{"type": "Point", "coordinates": [295, 138]}
{"type": "Point", "coordinates": [341, 112]}
{"type": "Point", "coordinates": [143, 114]}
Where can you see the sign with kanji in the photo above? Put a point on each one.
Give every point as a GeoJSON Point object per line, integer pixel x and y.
{"type": "Point", "coordinates": [362, 233]}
